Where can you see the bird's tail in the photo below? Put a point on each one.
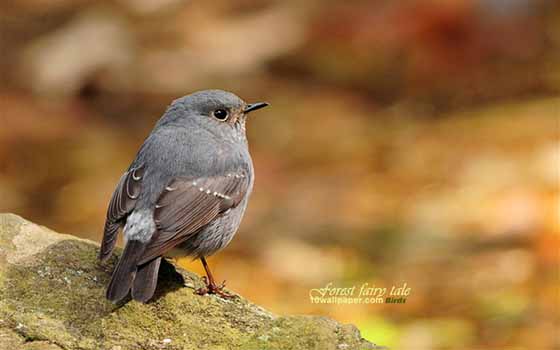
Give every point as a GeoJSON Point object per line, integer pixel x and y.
{"type": "Point", "coordinates": [145, 281]}
{"type": "Point", "coordinates": [128, 275]}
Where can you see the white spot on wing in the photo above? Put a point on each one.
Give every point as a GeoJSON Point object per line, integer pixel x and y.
{"type": "Point", "coordinates": [140, 226]}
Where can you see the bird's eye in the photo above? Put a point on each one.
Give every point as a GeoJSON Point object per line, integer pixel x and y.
{"type": "Point", "coordinates": [221, 114]}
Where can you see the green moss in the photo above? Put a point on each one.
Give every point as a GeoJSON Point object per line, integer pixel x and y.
{"type": "Point", "coordinates": [56, 295]}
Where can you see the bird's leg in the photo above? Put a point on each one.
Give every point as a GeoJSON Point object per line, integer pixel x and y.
{"type": "Point", "coordinates": [211, 286]}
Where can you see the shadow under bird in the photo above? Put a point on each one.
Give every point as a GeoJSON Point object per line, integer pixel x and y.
{"type": "Point", "coordinates": [183, 195]}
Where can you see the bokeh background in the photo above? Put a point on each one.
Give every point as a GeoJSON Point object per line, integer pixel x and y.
{"type": "Point", "coordinates": [408, 141]}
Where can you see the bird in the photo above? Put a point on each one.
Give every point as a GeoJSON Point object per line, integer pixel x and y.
{"type": "Point", "coordinates": [183, 195]}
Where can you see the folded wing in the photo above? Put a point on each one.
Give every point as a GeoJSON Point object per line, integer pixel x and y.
{"type": "Point", "coordinates": [188, 204]}
{"type": "Point", "coordinates": [122, 203]}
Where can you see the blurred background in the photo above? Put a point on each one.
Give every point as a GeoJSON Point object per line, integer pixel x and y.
{"type": "Point", "coordinates": [407, 141]}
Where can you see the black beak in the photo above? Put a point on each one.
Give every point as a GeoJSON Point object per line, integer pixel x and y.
{"type": "Point", "coordinates": [254, 106]}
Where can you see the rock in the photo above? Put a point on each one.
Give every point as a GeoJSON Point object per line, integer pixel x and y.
{"type": "Point", "coordinates": [52, 297]}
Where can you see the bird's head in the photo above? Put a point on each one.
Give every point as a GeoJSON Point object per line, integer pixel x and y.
{"type": "Point", "coordinates": [219, 111]}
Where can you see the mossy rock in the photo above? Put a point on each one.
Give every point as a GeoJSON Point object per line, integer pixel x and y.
{"type": "Point", "coordinates": [52, 297]}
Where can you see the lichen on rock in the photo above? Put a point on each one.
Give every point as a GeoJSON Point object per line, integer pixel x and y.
{"type": "Point", "coordinates": [52, 297]}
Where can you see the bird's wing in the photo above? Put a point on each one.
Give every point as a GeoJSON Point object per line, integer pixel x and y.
{"type": "Point", "coordinates": [122, 203]}
{"type": "Point", "coordinates": [186, 205]}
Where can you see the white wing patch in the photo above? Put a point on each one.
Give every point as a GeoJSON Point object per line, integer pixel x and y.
{"type": "Point", "coordinates": [140, 226]}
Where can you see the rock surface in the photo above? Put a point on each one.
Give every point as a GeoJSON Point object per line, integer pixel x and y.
{"type": "Point", "coordinates": [52, 297]}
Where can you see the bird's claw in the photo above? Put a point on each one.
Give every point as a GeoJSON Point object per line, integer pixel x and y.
{"type": "Point", "coordinates": [212, 288]}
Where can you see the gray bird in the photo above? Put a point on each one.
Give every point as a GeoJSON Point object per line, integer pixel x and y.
{"type": "Point", "coordinates": [184, 194]}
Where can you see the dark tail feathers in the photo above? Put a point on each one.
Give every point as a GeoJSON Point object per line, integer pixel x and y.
{"type": "Point", "coordinates": [128, 275]}
{"type": "Point", "coordinates": [145, 281]}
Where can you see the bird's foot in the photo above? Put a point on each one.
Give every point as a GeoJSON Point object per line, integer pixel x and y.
{"type": "Point", "coordinates": [212, 288]}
